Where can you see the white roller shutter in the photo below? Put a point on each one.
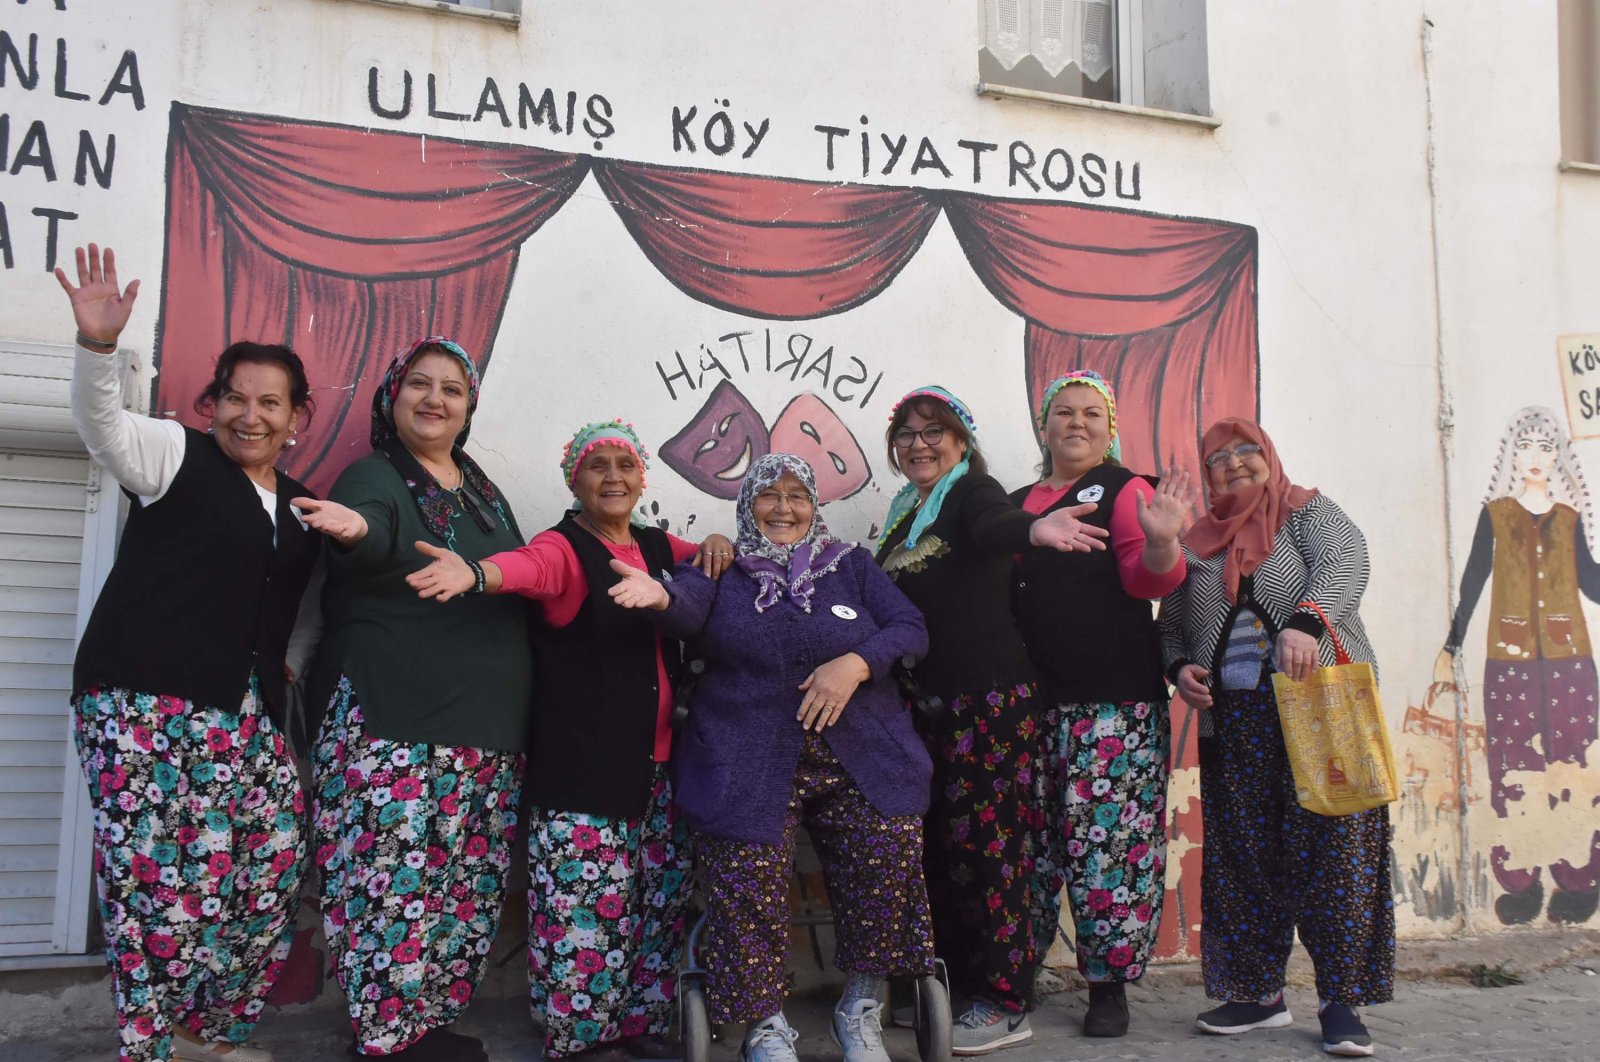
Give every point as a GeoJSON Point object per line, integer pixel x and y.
{"type": "Point", "coordinates": [56, 543]}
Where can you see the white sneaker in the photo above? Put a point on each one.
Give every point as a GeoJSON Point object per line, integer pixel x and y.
{"type": "Point", "coordinates": [859, 1030]}
{"type": "Point", "coordinates": [770, 1041]}
{"type": "Point", "coordinates": [986, 1026]}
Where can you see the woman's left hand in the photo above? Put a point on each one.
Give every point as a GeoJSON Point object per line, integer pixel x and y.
{"type": "Point", "coordinates": [829, 688]}
{"type": "Point", "coordinates": [716, 554]}
{"type": "Point", "coordinates": [1296, 654]}
{"type": "Point", "coordinates": [1063, 530]}
{"type": "Point", "coordinates": [340, 523]}
{"type": "Point", "coordinates": [1168, 514]}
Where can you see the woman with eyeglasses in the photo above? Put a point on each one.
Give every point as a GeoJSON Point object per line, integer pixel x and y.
{"type": "Point", "coordinates": [797, 719]}
{"type": "Point", "coordinates": [608, 856]}
{"type": "Point", "coordinates": [948, 544]}
{"type": "Point", "coordinates": [418, 763]}
{"type": "Point", "coordinates": [1269, 867]}
{"type": "Point", "coordinates": [1091, 632]}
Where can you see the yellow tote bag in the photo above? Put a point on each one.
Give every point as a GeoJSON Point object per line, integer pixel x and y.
{"type": "Point", "coordinates": [1336, 735]}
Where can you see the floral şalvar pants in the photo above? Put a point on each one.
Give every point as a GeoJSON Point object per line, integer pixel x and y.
{"type": "Point", "coordinates": [1104, 793]}
{"type": "Point", "coordinates": [873, 867]}
{"type": "Point", "coordinates": [199, 850]}
{"type": "Point", "coordinates": [414, 843]}
{"type": "Point", "coordinates": [981, 832]}
{"type": "Point", "coordinates": [606, 902]}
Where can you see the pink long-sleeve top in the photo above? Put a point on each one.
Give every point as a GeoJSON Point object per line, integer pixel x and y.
{"type": "Point", "coordinates": [1127, 538]}
{"type": "Point", "coordinates": [547, 570]}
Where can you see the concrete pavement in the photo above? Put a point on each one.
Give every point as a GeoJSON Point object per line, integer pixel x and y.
{"type": "Point", "coordinates": [1437, 1015]}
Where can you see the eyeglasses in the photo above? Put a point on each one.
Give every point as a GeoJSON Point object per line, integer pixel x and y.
{"type": "Point", "coordinates": [1243, 452]}
{"type": "Point", "coordinates": [906, 438]}
{"type": "Point", "coordinates": [796, 500]}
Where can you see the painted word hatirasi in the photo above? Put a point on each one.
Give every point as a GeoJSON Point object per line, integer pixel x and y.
{"type": "Point", "coordinates": [36, 155]}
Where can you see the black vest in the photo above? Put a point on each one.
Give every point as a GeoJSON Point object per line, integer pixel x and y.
{"type": "Point", "coordinates": [199, 596]}
{"type": "Point", "coordinates": [1090, 640]}
{"type": "Point", "coordinates": [592, 746]}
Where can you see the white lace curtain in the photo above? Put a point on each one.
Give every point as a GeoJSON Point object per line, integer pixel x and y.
{"type": "Point", "coordinates": [1055, 32]}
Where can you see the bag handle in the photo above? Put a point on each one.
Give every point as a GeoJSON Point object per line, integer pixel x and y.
{"type": "Point", "coordinates": [1340, 656]}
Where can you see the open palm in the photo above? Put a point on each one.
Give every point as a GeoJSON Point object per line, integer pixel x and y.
{"type": "Point", "coordinates": [99, 305]}
{"type": "Point", "coordinates": [1170, 511]}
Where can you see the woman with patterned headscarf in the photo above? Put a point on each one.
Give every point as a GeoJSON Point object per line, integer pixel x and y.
{"type": "Point", "coordinates": [1265, 552]}
{"type": "Point", "coordinates": [418, 762]}
{"type": "Point", "coordinates": [607, 853]}
{"type": "Point", "coordinates": [948, 543]}
{"type": "Point", "coordinates": [1532, 549]}
{"type": "Point", "coordinates": [1090, 630]}
{"type": "Point", "coordinates": [797, 719]}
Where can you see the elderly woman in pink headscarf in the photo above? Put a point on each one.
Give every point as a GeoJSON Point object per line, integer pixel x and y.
{"type": "Point", "coordinates": [1263, 554]}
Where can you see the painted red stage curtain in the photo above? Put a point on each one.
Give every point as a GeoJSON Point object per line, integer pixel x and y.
{"type": "Point", "coordinates": [343, 243]}
{"type": "Point", "coordinates": [1162, 307]}
{"type": "Point", "coordinates": [766, 246]}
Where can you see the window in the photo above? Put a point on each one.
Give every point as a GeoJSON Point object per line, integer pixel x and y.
{"type": "Point", "coordinates": [1139, 53]}
{"type": "Point", "coordinates": [1578, 37]}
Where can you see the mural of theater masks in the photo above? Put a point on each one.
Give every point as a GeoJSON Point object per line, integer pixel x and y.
{"type": "Point", "coordinates": [715, 449]}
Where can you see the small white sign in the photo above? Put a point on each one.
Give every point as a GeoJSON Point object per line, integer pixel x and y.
{"type": "Point", "coordinates": [1579, 358]}
{"type": "Point", "coordinates": [844, 612]}
{"type": "Point", "coordinates": [1092, 494]}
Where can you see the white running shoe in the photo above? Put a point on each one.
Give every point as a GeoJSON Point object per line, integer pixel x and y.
{"type": "Point", "coordinates": [859, 1030]}
{"type": "Point", "coordinates": [986, 1026]}
{"type": "Point", "coordinates": [770, 1041]}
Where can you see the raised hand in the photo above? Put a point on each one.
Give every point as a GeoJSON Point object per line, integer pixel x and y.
{"type": "Point", "coordinates": [446, 577]}
{"type": "Point", "coordinates": [1168, 514]}
{"type": "Point", "coordinates": [99, 307]}
{"type": "Point", "coordinates": [638, 589]}
{"type": "Point", "coordinates": [344, 525]}
{"type": "Point", "coordinates": [716, 554]}
{"type": "Point", "coordinates": [829, 688]}
{"type": "Point", "coordinates": [1063, 530]}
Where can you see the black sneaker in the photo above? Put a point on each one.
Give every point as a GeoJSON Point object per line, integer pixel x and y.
{"type": "Point", "coordinates": [1342, 1031]}
{"type": "Point", "coordinates": [1108, 1010]}
{"type": "Point", "coordinates": [1233, 1018]}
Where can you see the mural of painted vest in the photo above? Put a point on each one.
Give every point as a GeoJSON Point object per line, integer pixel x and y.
{"type": "Point", "coordinates": [1539, 687]}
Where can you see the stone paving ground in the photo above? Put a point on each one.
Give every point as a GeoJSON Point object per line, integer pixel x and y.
{"type": "Point", "coordinates": [1437, 1014]}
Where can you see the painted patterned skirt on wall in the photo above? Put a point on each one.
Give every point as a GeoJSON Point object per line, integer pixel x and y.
{"type": "Point", "coordinates": [983, 825]}
{"type": "Point", "coordinates": [1103, 788]}
{"type": "Point", "coordinates": [606, 901]}
{"type": "Point", "coordinates": [414, 844]}
{"type": "Point", "coordinates": [199, 851]}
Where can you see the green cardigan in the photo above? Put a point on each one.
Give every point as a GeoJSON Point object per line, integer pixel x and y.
{"type": "Point", "coordinates": [458, 673]}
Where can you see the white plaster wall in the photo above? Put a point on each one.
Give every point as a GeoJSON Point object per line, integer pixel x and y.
{"type": "Point", "coordinates": [1322, 147]}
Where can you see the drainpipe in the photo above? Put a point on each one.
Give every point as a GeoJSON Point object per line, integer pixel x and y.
{"type": "Point", "coordinates": [1447, 426]}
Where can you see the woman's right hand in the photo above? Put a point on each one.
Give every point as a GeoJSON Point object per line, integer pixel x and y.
{"type": "Point", "coordinates": [1063, 530]}
{"type": "Point", "coordinates": [638, 589]}
{"type": "Point", "coordinates": [99, 307]}
{"type": "Point", "coordinates": [448, 576]}
{"type": "Point", "coordinates": [1192, 686]}
{"type": "Point", "coordinates": [1444, 668]}
{"type": "Point", "coordinates": [340, 523]}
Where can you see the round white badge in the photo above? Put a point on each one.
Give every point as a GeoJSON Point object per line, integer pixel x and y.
{"type": "Point", "coordinates": [844, 612]}
{"type": "Point", "coordinates": [1092, 494]}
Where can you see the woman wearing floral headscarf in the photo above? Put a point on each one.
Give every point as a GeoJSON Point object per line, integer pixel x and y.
{"type": "Point", "coordinates": [1087, 620]}
{"type": "Point", "coordinates": [607, 851]}
{"type": "Point", "coordinates": [798, 719]}
{"type": "Point", "coordinates": [948, 543]}
{"type": "Point", "coordinates": [418, 763]}
{"type": "Point", "coordinates": [1270, 867]}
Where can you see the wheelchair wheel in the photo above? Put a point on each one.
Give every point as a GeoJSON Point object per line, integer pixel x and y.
{"type": "Point", "coordinates": [932, 1016]}
{"type": "Point", "coordinates": [693, 1019]}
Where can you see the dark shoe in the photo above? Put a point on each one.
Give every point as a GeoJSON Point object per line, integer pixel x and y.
{"type": "Point", "coordinates": [1342, 1031]}
{"type": "Point", "coordinates": [1108, 1010]}
{"type": "Point", "coordinates": [1231, 1019]}
{"type": "Point", "coordinates": [649, 1045]}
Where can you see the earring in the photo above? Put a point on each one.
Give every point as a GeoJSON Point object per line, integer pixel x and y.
{"type": "Point", "coordinates": [211, 429]}
{"type": "Point", "coordinates": [291, 440]}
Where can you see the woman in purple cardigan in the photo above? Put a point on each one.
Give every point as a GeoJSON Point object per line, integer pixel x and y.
{"type": "Point", "coordinates": [798, 719]}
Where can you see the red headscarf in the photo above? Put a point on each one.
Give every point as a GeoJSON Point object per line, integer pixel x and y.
{"type": "Point", "coordinates": [1245, 522]}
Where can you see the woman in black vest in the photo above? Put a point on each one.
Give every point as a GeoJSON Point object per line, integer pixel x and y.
{"type": "Point", "coordinates": [947, 544]}
{"type": "Point", "coordinates": [180, 689]}
{"type": "Point", "coordinates": [418, 762]}
{"type": "Point", "coordinates": [1088, 624]}
{"type": "Point", "coordinates": [607, 848]}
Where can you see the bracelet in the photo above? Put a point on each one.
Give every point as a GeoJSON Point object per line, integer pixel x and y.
{"type": "Point", "coordinates": [99, 345]}
{"type": "Point", "coordinates": [477, 577]}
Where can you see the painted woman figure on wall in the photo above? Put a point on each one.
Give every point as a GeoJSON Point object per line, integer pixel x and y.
{"type": "Point", "coordinates": [1539, 688]}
